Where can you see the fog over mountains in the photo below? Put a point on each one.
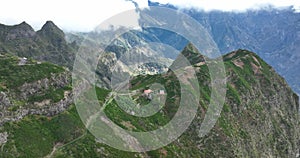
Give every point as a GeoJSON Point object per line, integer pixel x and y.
{"type": "Point", "coordinates": [274, 34]}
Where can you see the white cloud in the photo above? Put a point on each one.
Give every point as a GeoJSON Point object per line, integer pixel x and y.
{"type": "Point", "coordinates": [71, 15]}
{"type": "Point", "coordinates": [85, 15]}
{"type": "Point", "coordinates": [229, 5]}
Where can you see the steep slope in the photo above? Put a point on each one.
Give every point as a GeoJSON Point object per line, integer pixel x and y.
{"type": "Point", "coordinates": [47, 44]}
{"type": "Point", "coordinates": [263, 110]}
{"type": "Point", "coordinates": [191, 53]}
{"type": "Point", "coordinates": [259, 119]}
{"type": "Point", "coordinates": [31, 87]}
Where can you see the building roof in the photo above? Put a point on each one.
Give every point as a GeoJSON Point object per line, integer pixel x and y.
{"type": "Point", "coordinates": [147, 91]}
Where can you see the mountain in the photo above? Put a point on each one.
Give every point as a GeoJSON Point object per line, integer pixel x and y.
{"type": "Point", "coordinates": [259, 119]}
{"type": "Point", "coordinates": [52, 35]}
{"type": "Point", "coordinates": [133, 51]}
{"type": "Point", "coordinates": [47, 44]}
{"type": "Point", "coordinates": [272, 33]}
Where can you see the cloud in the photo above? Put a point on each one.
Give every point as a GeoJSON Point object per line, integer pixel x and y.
{"type": "Point", "coordinates": [85, 15]}
{"type": "Point", "coordinates": [230, 5]}
{"type": "Point", "coordinates": [70, 15]}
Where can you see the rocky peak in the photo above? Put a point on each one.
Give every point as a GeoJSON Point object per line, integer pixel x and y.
{"type": "Point", "coordinates": [53, 35]}
{"type": "Point", "coordinates": [192, 54]}
{"type": "Point", "coordinates": [22, 30]}
{"type": "Point", "coordinates": [50, 28]}
{"type": "Point", "coordinates": [24, 26]}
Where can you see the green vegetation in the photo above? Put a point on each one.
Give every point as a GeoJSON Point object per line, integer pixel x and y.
{"type": "Point", "coordinates": [116, 114]}
{"type": "Point", "coordinates": [35, 136]}
{"type": "Point", "coordinates": [55, 95]}
{"type": "Point", "coordinates": [13, 75]}
{"type": "Point", "coordinates": [238, 130]}
{"type": "Point", "coordinates": [233, 95]}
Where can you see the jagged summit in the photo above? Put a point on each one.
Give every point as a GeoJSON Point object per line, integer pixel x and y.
{"type": "Point", "coordinates": [49, 25]}
{"type": "Point", "coordinates": [25, 25]}
{"type": "Point", "coordinates": [192, 54]}
{"type": "Point", "coordinates": [50, 28]}
{"type": "Point", "coordinates": [49, 22]}
{"type": "Point", "coordinates": [14, 32]}
{"type": "Point", "coordinates": [22, 24]}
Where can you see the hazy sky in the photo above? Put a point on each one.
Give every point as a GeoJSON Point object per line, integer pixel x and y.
{"type": "Point", "coordinates": [85, 15]}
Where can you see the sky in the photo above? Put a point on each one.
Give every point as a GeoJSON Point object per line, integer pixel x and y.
{"type": "Point", "coordinates": [85, 15]}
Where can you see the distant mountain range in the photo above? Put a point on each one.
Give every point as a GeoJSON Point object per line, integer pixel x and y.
{"type": "Point", "coordinates": [273, 34]}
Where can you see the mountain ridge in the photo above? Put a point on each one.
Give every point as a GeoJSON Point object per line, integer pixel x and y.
{"type": "Point", "coordinates": [259, 118]}
{"type": "Point", "coordinates": [46, 44]}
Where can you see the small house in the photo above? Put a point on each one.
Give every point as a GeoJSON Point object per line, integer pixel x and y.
{"type": "Point", "coordinates": [22, 61]}
{"type": "Point", "coordinates": [161, 92]}
{"type": "Point", "coordinates": [147, 91]}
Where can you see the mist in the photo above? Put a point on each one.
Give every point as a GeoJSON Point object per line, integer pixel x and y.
{"type": "Point", "coordinates": [231, 5]}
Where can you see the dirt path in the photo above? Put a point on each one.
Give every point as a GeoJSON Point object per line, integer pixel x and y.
{"type": "Point", "coordinates": [57, 145]}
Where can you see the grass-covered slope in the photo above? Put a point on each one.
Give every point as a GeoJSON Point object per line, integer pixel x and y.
{"type": "Point", "coordinates": [31, 87]}
{"type": "Point", "coordinates": [13, 73]}
{"type": "Point", "coordinates": [259, 119]}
